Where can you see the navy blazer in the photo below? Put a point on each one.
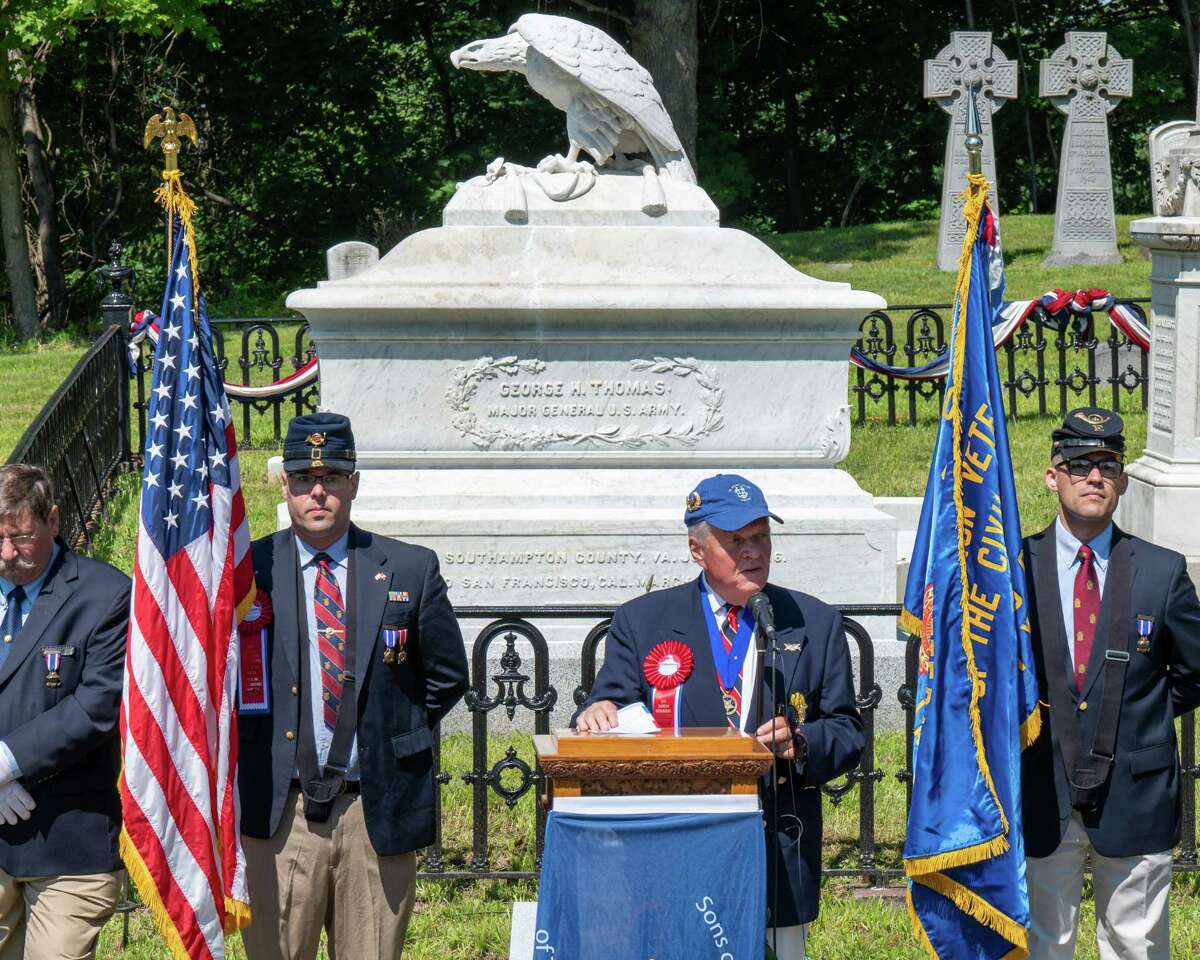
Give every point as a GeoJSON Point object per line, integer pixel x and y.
{"type": "Point", "coordinates": [814, 661]}
{"type": "Point", "coordinates": [1140, 811]}
{"type": "Point", "coordinates": [398, 704]}
{"type": "Point", "coordinates": [64, 738]}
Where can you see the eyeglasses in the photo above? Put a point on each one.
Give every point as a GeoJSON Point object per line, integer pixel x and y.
{"type": "Point", "coordinates": [332, 482]}
{"type": "Point", "coordinates": [1082, 467]}
{"type": "Point", "coordinates": [22, 541]}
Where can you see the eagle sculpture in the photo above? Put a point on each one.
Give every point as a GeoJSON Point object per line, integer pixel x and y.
{"type": "Point", "coordinates": [610, 101]}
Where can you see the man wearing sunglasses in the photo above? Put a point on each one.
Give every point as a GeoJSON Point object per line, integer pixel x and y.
{"type": "Point", "coordinates": [352, 656]}
{"type": "Point", "coordinates": [1116, 639]}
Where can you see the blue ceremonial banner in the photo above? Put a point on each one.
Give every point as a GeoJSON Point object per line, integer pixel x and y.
{"type": "Point", "coordinates": [976, 696]}
{"type": "Point", "coordinates": [652, 886]}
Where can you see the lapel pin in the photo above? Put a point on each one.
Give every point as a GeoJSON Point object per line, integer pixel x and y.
{"type": "Point", "coordinates": [381, 576]}
{"type": "Point", "coordinates": [792, 647]}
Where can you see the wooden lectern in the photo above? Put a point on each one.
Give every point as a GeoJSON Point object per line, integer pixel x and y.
{"type": "Point", "coordinates": [693, 761]}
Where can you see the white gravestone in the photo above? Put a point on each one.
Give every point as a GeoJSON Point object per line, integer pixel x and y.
{"type": "Point", "coordinates": [346, 259]}
{"type": "Point", "coordinates": [1085, 79]}
{"type": "Point", "coordinates": [534, 397]}
{"type": "Point", "coordinates": [970, 62]}
{"type": "Point", "coordinates": [1163, 500]}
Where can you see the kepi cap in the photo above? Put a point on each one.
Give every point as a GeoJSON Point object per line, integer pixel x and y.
{"type": "Point", "coordinates": [727, 502]}
{"type": "Point", "coordinates": [1085, 430]}
{"type": "Point", "coordinates": [319, 440]}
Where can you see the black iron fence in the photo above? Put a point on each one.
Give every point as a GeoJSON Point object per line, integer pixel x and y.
{"type": "Point", "coordinates": [259, 359]}
{"type": "Point", "coordinates": [81, 436]}
{"type": "Point", "coordinates": [1051, 364]}
{"type": "Point", "coordinates": [512, 776]}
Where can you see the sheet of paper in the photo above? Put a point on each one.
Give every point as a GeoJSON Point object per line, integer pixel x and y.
{"type": "Point", "coordinates": [634, 719]}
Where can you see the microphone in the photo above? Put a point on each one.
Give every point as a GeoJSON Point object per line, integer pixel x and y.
{"type": "Point", "coordinates": [764, 616]}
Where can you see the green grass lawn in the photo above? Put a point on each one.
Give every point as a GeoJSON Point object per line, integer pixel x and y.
{"type": "Point", "coordinates": [28, 376]}
{"type": "Point", "coordinates": [470, 920]}
{"type": "Point", "coordinates": [897, 261]}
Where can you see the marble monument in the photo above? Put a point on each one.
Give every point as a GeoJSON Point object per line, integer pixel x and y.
{"type": "Point", "coordinates": [537, 384]}
{"type": "Point", "coordinates": [1163, 499]}
{"type": "Point", "coordinates": [1085, 79]}
{"type": "Point", "coordinates": [971, 62]}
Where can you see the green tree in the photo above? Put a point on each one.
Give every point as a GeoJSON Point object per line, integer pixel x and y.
{"type": "Point", "coordinates": [29, 31]}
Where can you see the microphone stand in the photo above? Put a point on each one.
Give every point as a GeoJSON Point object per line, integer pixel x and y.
{"type": "Point", "coordinates": [764, 636]}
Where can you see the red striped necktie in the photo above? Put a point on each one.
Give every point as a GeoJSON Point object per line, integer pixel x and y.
{"type": "Point", "coordinates": [1087, 612]}
{"type": "Point", "coordinates": [731, 698]}
{"type": "Point", "coordinates": [331, 636]}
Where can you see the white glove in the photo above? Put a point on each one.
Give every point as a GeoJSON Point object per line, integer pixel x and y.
{"type": "Point", "coordinates": [15, 803]}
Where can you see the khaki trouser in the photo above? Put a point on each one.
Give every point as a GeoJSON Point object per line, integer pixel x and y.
{"type": "Point", "coordinates": [314, 875]}
{"type": "Point", "coordinates": [790, 943]}
{"type": "Point", "coordinates": [55, 918]}
{"type": "Point", "coordinates": [1131, 901]}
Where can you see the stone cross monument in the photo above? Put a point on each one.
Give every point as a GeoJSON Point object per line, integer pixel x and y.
{"type": "Point", "coordinates": [1164, 484]}
{"type": "Point", "coordinates": [970, 62]}
{"type": "Point", "coordinates": [1085, 79]}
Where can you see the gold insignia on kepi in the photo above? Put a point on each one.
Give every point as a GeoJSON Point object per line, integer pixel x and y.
{"type": "Point", "coordinates": [1094, 420]}
{"type": "Point", "coordinates": [693, 501]}
{"type": "Point", "coordinates": [315, 439]}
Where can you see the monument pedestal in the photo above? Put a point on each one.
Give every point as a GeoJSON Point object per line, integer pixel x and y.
{"type": "Point", "coordinates": [1163, 500]}
{"type": "Point", "coordinates": [535, 401]}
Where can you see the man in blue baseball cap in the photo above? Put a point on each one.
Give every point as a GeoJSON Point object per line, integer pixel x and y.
{"type": "Point", "coordinates": [806, 691]}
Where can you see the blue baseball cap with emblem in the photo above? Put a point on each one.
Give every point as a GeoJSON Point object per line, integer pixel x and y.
{"type": "Point", "coordinates": [727, 502]}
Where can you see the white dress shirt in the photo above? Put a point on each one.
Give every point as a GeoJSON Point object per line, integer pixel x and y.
{"type": "Point", "coordinates": [1067, 554]}
{"type": "Point", "coordinates": [339, 565]}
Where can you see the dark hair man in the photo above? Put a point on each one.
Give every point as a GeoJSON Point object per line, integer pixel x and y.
{"type": "Point", "coordinates": [815, 728]}
{"type": "Point", "coordinates": [362, 656]}
{"type": "Point", "coordinates": [1116, 638]}
{"type": "Point", "coordinates": [63, 623]}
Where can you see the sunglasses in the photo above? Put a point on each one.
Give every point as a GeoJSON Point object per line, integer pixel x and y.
{"type": "Point", "coordinates": [1082, 467]}
{"type": "Point", "coordinates": [332, 482]}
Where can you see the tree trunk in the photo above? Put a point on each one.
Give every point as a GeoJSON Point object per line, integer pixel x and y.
{"type": "Point", "coordinates": [791, 151]}
{"type": "Point", "coordinates": [47, 211]}
{"type": "Point", "coordinates": [664, 42]}
{"type": "Point", "coordinates": [12, 220]}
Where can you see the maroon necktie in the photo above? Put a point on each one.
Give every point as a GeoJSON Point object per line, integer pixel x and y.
{"type": "Point", "coordinates": [331, 633]}
{"type": "Point", "coordinates": [1087, 611]}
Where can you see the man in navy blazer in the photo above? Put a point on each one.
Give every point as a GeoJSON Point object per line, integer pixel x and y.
{"type": "Point", "coordinates": [1082, 573]}
{"type": "Point", "coordinates": [806, 694]}
{"type": "Point", "coordinates": [359, 657]}
{"type": "Point", "coordinates": [63, 623]}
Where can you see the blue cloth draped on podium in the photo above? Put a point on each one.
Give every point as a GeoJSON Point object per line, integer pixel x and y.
{"type": "Point", "coordinates": [652, 887]}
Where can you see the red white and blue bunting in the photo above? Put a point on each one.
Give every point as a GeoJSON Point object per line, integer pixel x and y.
{"type": "Point", "coordinates": [145, 327]}
{"type": "Point", "coordinates": [1058, 307]}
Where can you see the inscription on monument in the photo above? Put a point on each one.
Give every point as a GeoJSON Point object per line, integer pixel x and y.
{"type": "Point", "coordinates": [509, 403]}
{"type": "Point", "coordinates": [480, 572]}
{"type": "Point", "coordinates": [1162, 354]}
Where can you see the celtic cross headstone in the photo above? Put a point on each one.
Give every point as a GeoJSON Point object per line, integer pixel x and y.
{"type": "Point", "coordinates": [970, 62]}
{"type": "Point", "coordinates": [1085, 79]}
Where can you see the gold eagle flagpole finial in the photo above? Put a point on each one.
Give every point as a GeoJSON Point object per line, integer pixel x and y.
{"type": "Point", "coordinates": [170, 130]}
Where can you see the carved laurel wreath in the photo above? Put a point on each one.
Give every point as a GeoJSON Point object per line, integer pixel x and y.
{"type": "Point", "coordinates": [468, 377]}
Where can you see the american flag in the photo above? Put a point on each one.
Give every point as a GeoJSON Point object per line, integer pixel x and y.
{"type": "Point", "coordinates": [181, 840]}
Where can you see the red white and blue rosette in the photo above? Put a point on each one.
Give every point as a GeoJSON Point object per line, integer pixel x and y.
{"type": "Point", "coordinates": [666, 667]}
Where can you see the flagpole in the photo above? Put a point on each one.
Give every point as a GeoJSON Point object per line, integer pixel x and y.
{"type": "Point", "coordinates": [974, 140]}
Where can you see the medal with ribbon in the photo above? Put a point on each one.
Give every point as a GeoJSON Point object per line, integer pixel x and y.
{"type": "Point", "coordinates": [53, 662]}
{"type": "Point", "coordinates": [254, 689]}
{"type": "Point", "coordinates": [394, 640]}
{"type": "Point", "coordinates": [728, 653]}
{"type": "Point", "coordinates": [666, 667]}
